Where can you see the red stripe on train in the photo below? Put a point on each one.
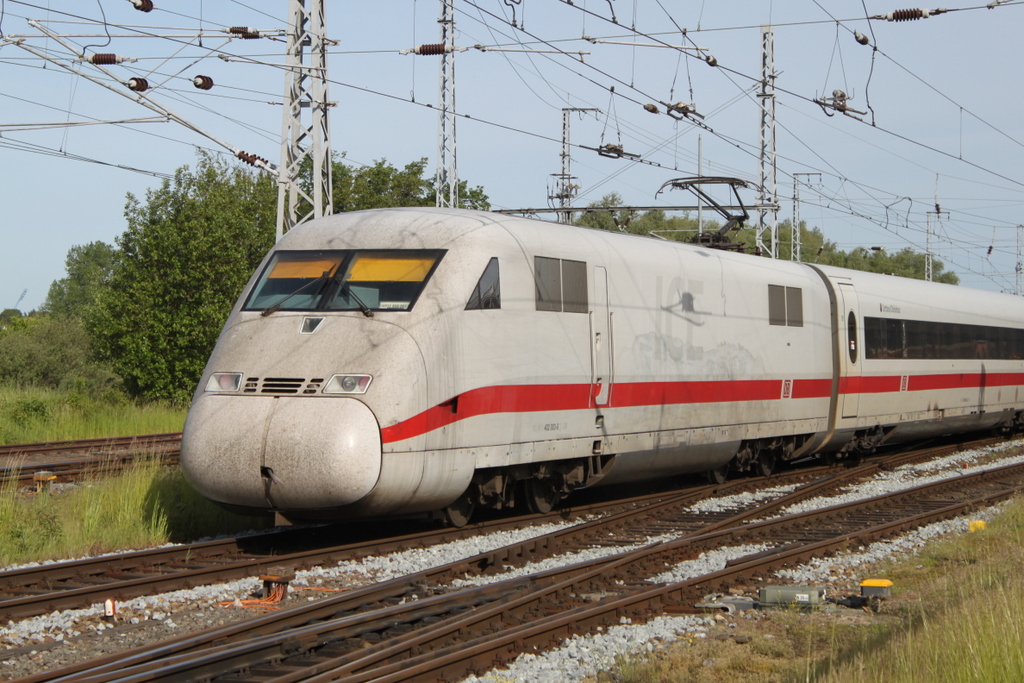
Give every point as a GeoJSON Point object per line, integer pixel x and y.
{"type": "Point", "coordinates": [556, 397]}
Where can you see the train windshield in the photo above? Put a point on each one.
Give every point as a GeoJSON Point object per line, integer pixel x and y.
{"type": "Point", "coordinates": [343, 280]}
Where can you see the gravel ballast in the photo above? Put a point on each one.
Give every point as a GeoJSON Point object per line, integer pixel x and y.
{"type": "Point", "coordinates": [54, 640]}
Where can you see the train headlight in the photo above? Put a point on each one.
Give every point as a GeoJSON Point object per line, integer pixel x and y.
{"type": "Point", "coordinates": [224, 381]}
{"type": "Point", "coordinates": [348, 384]}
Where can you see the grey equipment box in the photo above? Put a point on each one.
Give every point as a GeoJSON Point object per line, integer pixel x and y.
{"type": "Point", "coordinates": [792, 596]}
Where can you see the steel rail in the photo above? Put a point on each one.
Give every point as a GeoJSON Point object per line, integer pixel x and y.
{"type": "Point", "coordinates": [400, 662]}
{"type": "Point", "coordinates": [408, 585]}
{"type": "Point", "coordinates": [73, 459]}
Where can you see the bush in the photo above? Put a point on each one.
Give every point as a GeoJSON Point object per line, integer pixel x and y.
{"type": "Point", "coordinates": [52, 352]}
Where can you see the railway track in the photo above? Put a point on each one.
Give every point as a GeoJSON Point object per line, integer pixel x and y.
{"type": "Point", "coordinates": [39, 590]}
{"type": "Point", "coordinates": [416, 623]}
{"type": "Point", "coordinates": [70, 460]}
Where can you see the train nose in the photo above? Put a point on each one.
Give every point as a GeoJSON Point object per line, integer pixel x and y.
{"type": "Point", "coordinates": [281, 452]}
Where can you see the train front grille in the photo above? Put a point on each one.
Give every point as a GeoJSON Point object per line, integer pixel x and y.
{"type": "Point", "coordinates": [282, 385]}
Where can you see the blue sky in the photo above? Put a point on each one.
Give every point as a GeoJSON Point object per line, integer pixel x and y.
{"type": "Point", "coordinates": [941, 99]}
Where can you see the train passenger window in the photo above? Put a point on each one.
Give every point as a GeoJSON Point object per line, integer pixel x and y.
{"type": "Point", "coordinates": [561, 285]}
{"type": "Point", "coordinates": [487, 293]}
{"type": "Point", "coordinates": [776, 305]}
{"type": "Point", "coordinates": [785, 306]}
{"type": "Point", "coordinates": [574, 287]}
{"type": "Point", "coordinates": [548, 276]}
{"type": "Point", "coordinates": [851, 329]}
{"type": "Point", "coordinates": [343, 280]}
{"type": "Point", "coordinates": [794, 307]}
{"type": "Point", "coordinates": [928, 339]}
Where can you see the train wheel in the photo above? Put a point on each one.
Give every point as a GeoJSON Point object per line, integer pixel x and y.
{"type": "Point", "coordinates": [718, 475]}
{"type": "Point", "coordinates": [541, 495]}
{"type": "Point", "coordinates": [458, 513]}
{"type": "Point", "coordinates": [766, 462]}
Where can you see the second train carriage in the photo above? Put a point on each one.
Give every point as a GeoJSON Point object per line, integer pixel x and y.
{"type": "Point", "coordinates": [404, 361]}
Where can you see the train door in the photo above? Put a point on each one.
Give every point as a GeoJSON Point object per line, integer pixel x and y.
{"type": "Point", "coordinates": [601, 340]}
{"type": "Point", "coordinates": [850, 357]}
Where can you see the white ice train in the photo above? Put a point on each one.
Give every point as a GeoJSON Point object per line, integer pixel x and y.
{"type": "Point", "coordinates": [408, 361]}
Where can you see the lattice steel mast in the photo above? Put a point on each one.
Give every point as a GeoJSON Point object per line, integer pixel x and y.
{"type": "Point", "coordinates": [446, 183]}
{"type": "Point", "coordinates": [768, 218]}
{"type": "Point", "coordinates": [307, 141]}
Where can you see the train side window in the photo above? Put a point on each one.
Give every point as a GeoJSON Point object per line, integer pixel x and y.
{"type": "Point", "coordinates": [574, 287]}
{"type": "Point", "coordinates": [785, 306]}
{"type": "Point", "coordinates": [487, 293]}
{"type": "Point", "coordinates": [851, 329]}
{"type": "Point", "coordinates": [794, 307]}
{"type": "Point", "coordinates": [548, 276]}
{"type": "Point", "coordinates": [561, 285]}
{"type": "Point", "coordinates": [776, 305]}
{"type": "Point", "coordinates": [876, 344]}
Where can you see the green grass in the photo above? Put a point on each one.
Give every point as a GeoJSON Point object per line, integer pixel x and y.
{"type": "Point", "coordinates": [961, 620]}
{"type": "Point", "coordinates": [145, 505]}
{"type": "Point", "coordinates": [955, 617]}
{"type": "Point", "coordinates": [33, 415]}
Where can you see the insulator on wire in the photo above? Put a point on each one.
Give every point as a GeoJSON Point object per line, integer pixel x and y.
{"type": "Point", "coordinates": [251, 159]}
{"type": "Point", "coordinates": [861, 38]}
{"type": "Point", "coordinates": [142, 5]}
{"type": "Point", "coordinates": [105, 59]}
{"type": "Point", "coordinates": [138, 84]}
{"type": "Point", "coordinates": [244, 32]}
{"type": "Point", "coordinates": [431, 49]}
{"type": "Point", "coordinates": [202, 82]}
{"type": "Point", "coordinates": [910, 14]}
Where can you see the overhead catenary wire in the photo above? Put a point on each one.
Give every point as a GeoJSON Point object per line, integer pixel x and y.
{"type": "Point", "coordinates": [519, 128]}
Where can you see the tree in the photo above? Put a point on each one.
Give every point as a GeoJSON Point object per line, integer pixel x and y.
{"type": "Point", "coordinates": [814, 248]}
{"type": "Point", "coordinates": [52, 351]}
{"type": "Point", "coordinates": [187, 253]}
{"type": "Point", "coordinates": [88, 268]}
{"type": "Point", "coordinates": [382, 185]}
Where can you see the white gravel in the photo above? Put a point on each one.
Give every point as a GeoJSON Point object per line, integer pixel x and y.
{"type": "Point", "coordinates": [847, 565]}
{"type": "Point", "coordinates": [60, 624]}
{"type": "Point", "coordinates": [583, 656]}
{"type": "Point", "coordinates": [739, 501]}
{"type": "Point", "coordinates": [580, 656]}
{"type": "Point", "coordinates": [908, 476]}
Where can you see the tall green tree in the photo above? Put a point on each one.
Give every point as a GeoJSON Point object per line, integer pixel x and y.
{"type": "Point", "coordinates": [814, 248]}
{"type": "Point", "coordinates": [187, 253]}
{"type": "Point", "coordinates": [383, 185]}
{"type": "Point", "coordinates": [88, 268]}
{"type": "Point", "coordinates": [189, 249]}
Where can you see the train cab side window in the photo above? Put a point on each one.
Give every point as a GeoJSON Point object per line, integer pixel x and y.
{"type": "Point", "coordinates": [785, 306]}
{"type": "Point", "coordinates": [487, 293]}
{"type": "Point", "coordinates": [561, 285]}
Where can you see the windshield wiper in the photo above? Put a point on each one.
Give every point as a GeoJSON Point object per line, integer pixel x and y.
{"type": "Point", "coordinates": [276, 307]}
{"type": "Point", "coordinates": [362, 306]}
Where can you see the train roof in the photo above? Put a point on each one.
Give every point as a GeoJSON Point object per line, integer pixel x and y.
{"type": "Point", "coordinates": [430, 227]}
